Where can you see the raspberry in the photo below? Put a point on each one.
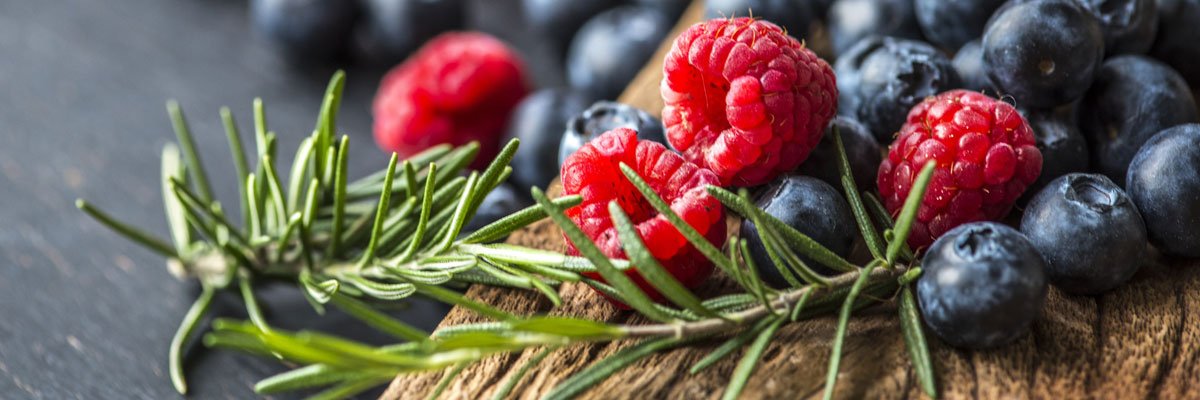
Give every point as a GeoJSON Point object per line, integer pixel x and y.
{"type": "Point", "coordinates": [744, 99]}
{"type": "Point", "coordinates": [594, 172]}
{"type": "Point", "coordinates": [460, 87]}
{"type": "Point", "coordinates": [986, 157]}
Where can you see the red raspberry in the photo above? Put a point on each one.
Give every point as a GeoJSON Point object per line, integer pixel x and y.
{"type": "Point", "coordinates": [744, 99]}
{"type": "Point", "coordinates": [459, 87]}
{"type": "Point", "coordinates": [594, 173]}
{"type": "Point", "coordinates": [986, 157]}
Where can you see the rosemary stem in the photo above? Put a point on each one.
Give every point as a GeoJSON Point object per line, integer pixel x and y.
{"type": "Point", "coordinates": [781, 303]}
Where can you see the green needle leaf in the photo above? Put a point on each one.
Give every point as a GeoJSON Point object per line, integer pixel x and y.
{"type": "Point", "coordinates": [350, 388]}
{"type": "Point", "coordinates": [339, 195]}
{"type": "Point", "coordinates": [173, 169]}
{"type": "Point", "coordinates": [745, 367]}
{"type": "Point", "coordinates": [509, 224]}
{"type": "Point", "coordinates": [184, 135]}
{"type": "Point", "coordinates": [870, 235]}
{"type": "Point", "coordinates": [190, 320]}
{"type": "Point", "coordinates": [300, 169]}
{"type": "Point", "coordinates": [308, 377]}
{"type": "Point", "coordinates": [569, 327]}
{"type": "Point", "coordinates": [130, 232]}
{"type": "Point", "coordinates": [378, 320]}
{"type": "Point", "coordinates": [461, 213]}
{"type": "Point", "coordinates": [730, 345]}
{"type": "Point", "coordinates": [839, 338]}
{"type": "Point", "coordinates": [649, 268]}
{"type": "Point", "coordinates": [260, 127]}
{"type": "Point", "coordinates": [695, 238]}
{"type": "Point", "coordinates": [381, 213]}
{"type": "Point", "coordinates": [914, 338]}
{"type": "Point", "coordinates": [631, 294]}
{"type": "Point", "coordinates": [327, 119]}
{"type": "Point", "coordinates": [414, 243]}
{"type": "Point", "coordinates": [445, 381]}
{"type": "Point", "coordinates": [516, 377]}
{"type": "Point", "coordinates": [600, 370]}
{"type": "Point", "coordinates": [909, 212]}
{"type": "Point", "coordinates": [252, 309]}
{"type": "Point", "coordinates": [277, 196]}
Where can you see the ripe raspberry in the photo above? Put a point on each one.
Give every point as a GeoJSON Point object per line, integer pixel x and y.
{"type": "Point", "coordinates": [459, 87]}
{"type": "Point", "coordinates": [594, 173]}
{"type": "Point", "coordinates": [744, 99]}
{"type": "Point", "coordinates": [986, 157]}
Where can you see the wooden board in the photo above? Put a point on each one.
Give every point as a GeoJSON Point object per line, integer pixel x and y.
{"type": "Point", "coordinates": [1139, 341]}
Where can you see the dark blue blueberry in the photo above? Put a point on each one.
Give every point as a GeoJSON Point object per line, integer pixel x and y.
{"type": "Point", "coordinates": [862, 151]}
{"type": "Point", "coordinates": [792, 15]}
{"type": "Point", "coordinates": [556, 21]}
{"type": "Point", "coordinates": [1043, 53]}
{"type": "Point", "coordinates": [1178, 28]}
{"type": "Point", "coordinates": [1133, 98]}
{"type": "Point", "coordinates": [983, 285]}
{"type": "Point", "coordinates": [1063, 148]}
{"type": "Point", "coordinates": [306, 30]}
{"type": "Point", "coordinates": [539, 122]}
{"type": "Point", "coordinates": [1088, 231]}
{"type": "Point", "coordinates": [810, 206]}
{"type": "Point", "coordinates": [612, 47]}
{"type": "Point", "coordinates": [881, 78]}
{"type": "Point", "coordinates": [1129, 25]}
{"type": "Point", "coordinates": [605, 116]}
{"type": "Point", "coordinates": [968, 62]}
{"type": "Point", "coordinates": [1164, 183]}
{"type": "Point", "coordinates": [849, 21]}
{"type": "Point", "coordinates": [501, 202]}
{"type": "Point", "coordinates": [951, 24]}
{"type": "Point", "coordinates": [395, 28]}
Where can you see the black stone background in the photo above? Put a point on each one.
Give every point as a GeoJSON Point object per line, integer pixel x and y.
{"type": "Point", "coordinates": [85, 313]}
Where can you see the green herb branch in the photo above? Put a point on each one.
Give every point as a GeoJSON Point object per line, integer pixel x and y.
{"type": "Point", "coordinates": [398, 232]}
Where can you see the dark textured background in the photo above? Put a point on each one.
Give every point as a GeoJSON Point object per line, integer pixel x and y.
{"type": "Point", "coordinates": [83, 312]}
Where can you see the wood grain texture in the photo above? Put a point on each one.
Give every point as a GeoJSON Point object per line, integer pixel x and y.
{"type": "Point", "coordinates": [1139, 341]}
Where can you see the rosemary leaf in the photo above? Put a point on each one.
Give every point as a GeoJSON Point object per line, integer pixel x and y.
{"type": "Point", "coordinates": [350, 388]}
{"type": "Point", "coordinates": [461, 213]}
{"type": "Point", "coordinates": [631, 294]}
{"type": "Point", "coordinates": [184, 135]}
{"type": "Point", "coordinates": [445, 381]}
{"type": "Point", "coordinates": [136, 235]}
{"type": "Point", "coordinates": [730, 345]}
{"type": "Point", "coordinates": [745, 367]}
{"type": "Point", "coordinates": [327, 119]}
{"type": "Point", "coordinates": [576, 328]}
{"type": "Point", "coordinates": [695, 238]}
{"type": "Point", "coordinates": [311, 376]}
{"type": "Point", "coordinates": [509, 224]}
{"type": "Point", "coordinates": [516, 377]}
{"type": "Point", "coordinates": [278, 203]}
{"type": "Point", "coordinates": [301, 169]}
{"type": "Point", "coordinates": [909, 212]}
{"type": "Point", "coordinates": [869, 234]}
{"type": "Point", "coordinates": [835, 358]}
{"type": "Point", "coordinates": [190, 320]}
{"type": "Point", "coordinates": [378, 320]}
{"type": "Point", "coordinates": [380, 213]}
{"type": "Point", "coordinates": [649, 268]}
{"type": "Point", "coordinates": [600, 370]}
{"type": "Point", "coordinates": [172, 168]}
{"type": "Point", "coordinates": [252, 309]}
{"type": "Point", "coordinates": [914, 338]}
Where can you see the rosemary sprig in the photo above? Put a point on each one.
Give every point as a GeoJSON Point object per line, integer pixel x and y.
{"type": "Point", "coordinates": [384, 238]}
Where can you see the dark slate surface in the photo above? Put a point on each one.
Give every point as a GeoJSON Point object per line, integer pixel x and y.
{"type": "Point", "coordinates": [83, 312]}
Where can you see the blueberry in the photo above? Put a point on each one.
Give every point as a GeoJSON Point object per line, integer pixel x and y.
{"type": "Point", "coordinates": [557, 21]}
{"type": "Point", "coordinates": [501, 202]}
{"type": "Point", "coordinates": [968, 62]}
{"type": "Point", "coordinates": [1129, 25]}
{"type": "Point", "coordinates": [539, 121]}
{"type": "Point", "coordinates": [1044, 53]}
{"type": "Point", "coordinates": [810, 206]}
{"type": "Point", "coordinates": [849, 21]}
{"type": "Point", "coordinates": [306, 30]}
{"type": "Point", "coordinates": [881, 78]}
{"type": "Point", "coordinates": [394, 28]}
{"type": "Point", "coordinates": [1178, 28]}
{"type": "Point", "coordinates": [603, 117]}
{"type": "Point", "coordinates": [1133, 98]}
{"type": "Point", "coordinates": [1164, 183]}
{"type": "Point", "coordinates": [983, 285]}
{"type": "Point", "coordinates": [612, 47]}
{"type": "Point", "coordinates": [1089, 232]}
{"type": "Point", "coordinates": [1063, 148]}
{"type": "Point", "coordinates": [792, 15]}
{"type": "Point", "coordinates": [862, 151]}
{"type": "Point", "coordinates": [951, 24]}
